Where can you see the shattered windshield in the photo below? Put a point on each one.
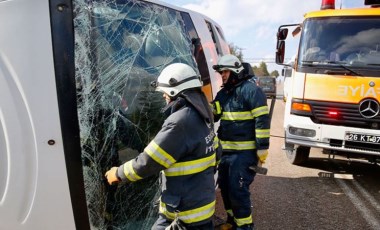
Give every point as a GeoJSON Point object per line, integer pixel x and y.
{"type": "Point", "coordinates": [348, 41]}
{"type": "Point", "coordinates": [120, 47]}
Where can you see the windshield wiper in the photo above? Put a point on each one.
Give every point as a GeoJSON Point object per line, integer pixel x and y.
{"type": "Point", "coordinates": [340, 64]}
{"type": "Point", "coordinates": [338, 72]}
{"type": "Point", "coordinates": [346, 71]}
{"type": "Point", "coordinates": [310, 63]}
{"type": "Point", "coordinates": [374, 64]}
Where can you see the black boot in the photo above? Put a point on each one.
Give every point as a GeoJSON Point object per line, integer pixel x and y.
{"type": "Point", "coordinates": [246, 227]}
{"type": "Point", "coordinates": [230, 220]}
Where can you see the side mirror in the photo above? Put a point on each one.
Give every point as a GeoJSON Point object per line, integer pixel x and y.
{"type": "Point", "coordinates": [282, 34]}
{"type": "Point", "coordinates": [280, 53]}
{"type": "Point", "coordinates": [296, 31]}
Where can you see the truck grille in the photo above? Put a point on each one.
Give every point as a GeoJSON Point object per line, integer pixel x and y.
{"type": "Point", "coordinates": [348, 115]}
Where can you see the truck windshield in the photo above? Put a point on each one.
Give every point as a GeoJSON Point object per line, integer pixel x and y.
{"type": "Point", "coordinates": [341, 42]}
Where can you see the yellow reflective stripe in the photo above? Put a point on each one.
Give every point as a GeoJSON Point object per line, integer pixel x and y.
{"type": "Point", "coordinates": [190, 167]}
{"type": "Point", "coordinates": [238, 145]}
{"type": "Point", "coordinates": [229, 212]}
{"type": "Point", "coordinates": [130, 173]}
{"type": "Point", "coordinates": [260, 111]}
{"type": "Point", "coordinates": [237, 116]}
{"type": "Point", "coordinates": [242, 221]}
{"type": "Point", "coordinates": [159, 155]}
{"type": "Point", "coordinates": [262, 133]}
{"type": "Point", "coordinates": [216, 108]}
{"type": "Point", "coordinates": [216, 142]}
{"type": "Point", "coordinates": [190, 216]}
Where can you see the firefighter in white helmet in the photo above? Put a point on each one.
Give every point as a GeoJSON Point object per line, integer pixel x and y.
{"type": "Point", "coordinates": [241, 107]}
{"type": "Point", "coordinates": [184, 150]}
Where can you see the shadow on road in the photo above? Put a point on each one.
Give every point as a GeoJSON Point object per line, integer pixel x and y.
{"type": "Point", "coordinates": [342, 166]}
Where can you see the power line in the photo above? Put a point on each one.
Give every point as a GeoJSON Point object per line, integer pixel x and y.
{"type": "Point", "coordinates": [266, 60]}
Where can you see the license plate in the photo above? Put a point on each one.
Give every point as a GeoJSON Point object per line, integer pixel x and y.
{"type": "Point", "coordinates": [364, 138]}
{"type": "Point", "coordinates": [267, 88]}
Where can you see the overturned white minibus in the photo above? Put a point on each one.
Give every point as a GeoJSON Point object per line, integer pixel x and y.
{"type": "Point", "coordinates": [75, 100]}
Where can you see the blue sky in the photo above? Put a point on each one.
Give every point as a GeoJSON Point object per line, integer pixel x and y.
{"type": "Point", "coordinates": [252, 24]}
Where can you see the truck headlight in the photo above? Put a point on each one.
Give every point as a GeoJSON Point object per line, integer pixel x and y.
{"type": "Point", "coordinates": [302, 132]}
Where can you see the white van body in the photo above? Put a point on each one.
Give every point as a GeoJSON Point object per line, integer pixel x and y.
{"type": "Point", "coordinates": [47, 101]}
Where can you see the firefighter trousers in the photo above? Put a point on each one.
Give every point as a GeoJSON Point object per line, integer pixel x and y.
{"type": "Point", "coordinates": [234, 178]}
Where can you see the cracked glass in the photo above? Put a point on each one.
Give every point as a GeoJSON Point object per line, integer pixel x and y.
{"type": "Point", "coordinates": [120, 47]}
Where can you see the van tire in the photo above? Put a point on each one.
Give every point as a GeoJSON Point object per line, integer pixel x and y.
{"type": "Point", "coordinates": [299, 155]}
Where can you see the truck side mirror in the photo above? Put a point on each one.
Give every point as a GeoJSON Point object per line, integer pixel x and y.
{"type": "Point", "coordinates": [282, 34]}
{"type": "Point", "coordinates": [296, 31]}
{"type": "Point", "coordinates": [280, 53]}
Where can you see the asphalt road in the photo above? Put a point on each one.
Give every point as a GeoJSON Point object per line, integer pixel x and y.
{"type": "Point", "coordinates": [324, 194]}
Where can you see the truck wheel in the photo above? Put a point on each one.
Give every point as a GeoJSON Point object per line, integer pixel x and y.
{"type": "Point", "coordinates": [299, 155]}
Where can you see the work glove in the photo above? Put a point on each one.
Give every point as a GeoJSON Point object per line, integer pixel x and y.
{"type": "Point", "coordinates": [262, 155]}
{"type": "Point", "coordinates": [176, 225]}
{"type": "Point", "coordinates": [112, 176]}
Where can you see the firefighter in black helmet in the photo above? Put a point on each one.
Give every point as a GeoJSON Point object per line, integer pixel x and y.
{"type": "Point", "coordinates": [241, 107]}
{"type": "Point", "coordinates": [184, 150]}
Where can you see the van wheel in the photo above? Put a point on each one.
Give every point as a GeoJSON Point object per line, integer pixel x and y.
{"type": "Point", "coordinates": [299, 155]}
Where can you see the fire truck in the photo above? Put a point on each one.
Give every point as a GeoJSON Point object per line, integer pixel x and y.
{"type": "Point", "coordinates": [334, 101]}
{"type": "Point", "coordinates": [75, 99]}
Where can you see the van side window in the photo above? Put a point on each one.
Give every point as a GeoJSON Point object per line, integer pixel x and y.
{"type": "Point", "coordinates": [198, 52]}
{"type": "Point", "coordinates": [220, 32]}
{"type": "Point", "coordinates": [214, 38]}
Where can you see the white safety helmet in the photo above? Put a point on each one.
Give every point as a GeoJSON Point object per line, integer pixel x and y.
{"type": "Point", "coordinates": [229, 62]}
{"type": "Point", "coordinates": [176, 78]}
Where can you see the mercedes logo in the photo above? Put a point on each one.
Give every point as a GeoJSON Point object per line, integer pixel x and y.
{"type": "Point", "coordinates": [369, 108]}
{"type": "Point", "coordinates": [372, 84]}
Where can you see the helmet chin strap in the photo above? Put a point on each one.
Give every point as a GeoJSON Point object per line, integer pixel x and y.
{"type": "Point", "coordinates": [196, 98]}
{"type": "Point", "coordinates": [234, 79]}
{"type": "Point", "coordinates": [175, 103]}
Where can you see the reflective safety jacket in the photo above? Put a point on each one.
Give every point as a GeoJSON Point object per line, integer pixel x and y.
{"type": "Point", "coordinates": [185, 152]}
{"type": "Point", "coordinates": [244, 117]}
